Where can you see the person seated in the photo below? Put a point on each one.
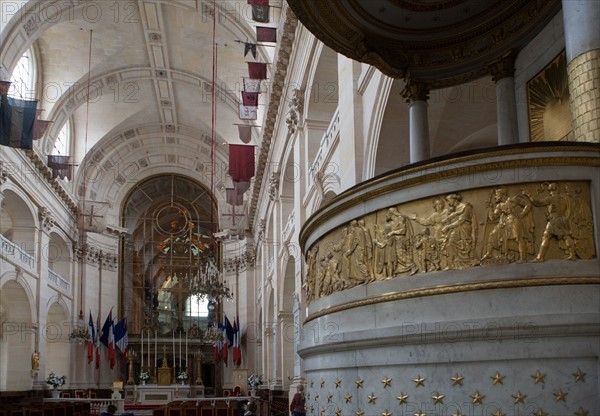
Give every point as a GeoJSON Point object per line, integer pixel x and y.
{"type": "Point", "coordinates": [111, 410]}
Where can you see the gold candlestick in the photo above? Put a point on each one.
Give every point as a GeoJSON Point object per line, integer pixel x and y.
{"type": "Point", "coordinates": [130, 379]}
{"type": "Point", "coordinates": [199, 381]}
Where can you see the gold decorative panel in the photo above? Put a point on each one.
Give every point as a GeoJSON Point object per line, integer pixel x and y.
{"type": "Point", "coordinates": [549, 103]}
{"type": "Point", "coordinates": [520, 223]}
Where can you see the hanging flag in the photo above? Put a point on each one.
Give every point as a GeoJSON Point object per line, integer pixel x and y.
{"type": "Point", "coordinates": [229, 332]}
{"type": "Point", "coordinates": [92, 340]}
{"type": "Point", "coordinates": [122, 337]}
{"type": "Point", "coordinates": [17, 118]}
{"type": "Point", "coordinates": [260, 13]}
{"type": "Point", "coordinates": [251, 85]}
{"type": "Point", "coordinates": [108, 323]}
{"type": "Point", "coordinates": [233, 197]}
{"type": "Point", "coordinates": [224, 354]}
{"type": "Point", "coordinates": [248, 112]}
{"type": "Point", "coordinates": [92, 216]}
{"type": "Point", "coordinates": [61, 168]}
{"type": "Point", "coordinates": [257, 70]}
{"type": "Point", "coordinates": [4, 87]}
{"type": "Point", "coordinates": [111, 345]}
{"type": "Point", "coordinates": [266, 34]}
{"type": "Point", "coordinates": [245, 133]}
{"type": "Point", "coordinates": [241, 162]}
{"type": "Point", "coordinates": [249, 98]}
{"type": "Point", "coordinates": [97, 342]}
{"type": "Point", "coordinates": [250, 47]}
{"type": "Point", "coordinates": [39, 128]}
{"type": "Point", "coordinates": [233, 217]}
{"type": "Point", "coordinates": [237, 352]}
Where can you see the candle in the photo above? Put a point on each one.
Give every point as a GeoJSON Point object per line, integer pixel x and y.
{"type": "Point", "coordinates": [186, 350]}
{"type": "Point", "coordinates": [180, 351]}
{"type": "Point", "coordinates": [155, 348]}
{"type": "Point", "coordinates": [142, 369]}
{"type": "Point", "coordinates": [173, 333]}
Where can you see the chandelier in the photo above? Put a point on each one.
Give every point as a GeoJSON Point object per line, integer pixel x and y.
{"type": "Point", "coordinates": [207, 283]}
{"type": "Point", "coordinates": [212, 335]}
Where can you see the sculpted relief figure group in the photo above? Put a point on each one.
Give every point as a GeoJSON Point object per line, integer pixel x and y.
{"type": "Point", "coordinates": [448, 237]}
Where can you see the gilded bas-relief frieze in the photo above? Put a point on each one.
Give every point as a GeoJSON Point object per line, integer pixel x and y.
{"type": "Point", "coordinates": [476, 228]}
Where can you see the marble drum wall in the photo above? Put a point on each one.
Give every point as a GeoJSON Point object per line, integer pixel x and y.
{"type": "Point", "coordinates": [464, 286]}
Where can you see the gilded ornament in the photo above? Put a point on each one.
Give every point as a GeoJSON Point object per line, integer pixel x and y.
{"type": "Point", "coordinates": [560, 396]}
{"type": "Point", "coordinates": [477, 397]}
{"type": "Point", "coordinates": [386, 413]}
{"type": "Point", "coordinates": [540, 412]}
{"type": "Point", "coordinates": [322, 383]}
{"type": "Point", "coordinates": [312, 383]}
{"type": "Point", "coordinates": [372, 398]}
{"type": "Point", "coordinates": [420, 381]}
{"type": "Point", "coordinates": [458, 413]}
{"type": "Point", "coordinates": [359, 383]}
{"type": "Point", "coordinates": [457, 379]}
{"type": "Point", "coordinates": [348, 397]}
{"type": "Point", "coordinates": [338, 383]}
{"type": "Point", "coordinates": [438, 398]}
{"type": "Point", "coordinates": [338, 412]}
{"type": "Point", "coordinates": [539, 377]}
{"type": "Point", "coordinates": [519, 397]}
{"type": "Point", "coordinates": [497, 378]}
{"type": "Point", "coordinates": [420, 414]}
{"type": "Point", "coordinates": [329, 397]}
{"type": "Point", "coordinates": [582, 412]}
{"type": "Point", "coordinates": [579, 376]}
{"type": "Point", "coordinates": [402, 398]}
{"type": "Point", "coordinates": [308, 396]}
{"type": "Point", "coordinates": [322, 412]}
{"type": "Point", "coordinates": [360, 413]}
{"type": "Point", "coordinates": [498, 413]}
{"type": "Point", "coordinates": [387, 382]}
{"type": "Point", "coordinates": [316, 397]}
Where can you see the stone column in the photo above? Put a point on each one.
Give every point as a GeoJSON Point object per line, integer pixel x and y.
{"type": "Point", "coordinates": [416, 95]}
{"type": "Point", "coordinates": [582, 41]}
{"type": "Point", "coordinates": [506, 105]}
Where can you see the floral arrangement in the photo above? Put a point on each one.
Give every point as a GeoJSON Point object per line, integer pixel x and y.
{"type": "Point", "coordinates": [56, 381]}
{"type": "Point", "coordinates": [182, 376]}
{"type": "Point", "coordinates": [255, 380]}
{"type": "Point", "coordinates": [80, 334]}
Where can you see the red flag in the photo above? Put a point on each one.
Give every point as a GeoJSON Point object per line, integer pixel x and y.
{"type": "Point", "coordinates": [259, 2]}
{"type": "Point", "coordinates": [241, 162]}
{"type": "Point", "coordinates": [39, 128]}
{"type": "Point", "coordinates": [250, 98]}
{"type": "Point", "coordinates": [245, 133]}
{"type": "Point", "coordinates": [111, 344]}
{"type": "Point", "coordinates": [266, 34]}
{"type": "Point", "coordinates": [216, 351]}
{"type": "Point", "coordinates": [257, 70]}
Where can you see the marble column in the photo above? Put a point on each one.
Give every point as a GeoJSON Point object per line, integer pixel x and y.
{"type": "Point", "coordinates": [416, 95]}
{"type": "Point", "coordinates": [582, 43]}
{"type": "Point", "coordinates": [506, 105]}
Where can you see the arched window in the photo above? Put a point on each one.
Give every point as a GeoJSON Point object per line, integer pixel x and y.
{"type": "Point", "coordinates": [62, 144]}
{"type": "Point", "coordinates": [23, 78]}
{"type": "Point", "coordinates": [197, 307]}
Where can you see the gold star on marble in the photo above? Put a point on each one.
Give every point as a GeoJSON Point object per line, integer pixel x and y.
{"type": "Point", "coordinates": [329, 397]}
{"type": "Point", "coordinates": [359, 383]}
{"type": "Point", "coordinates": [477, 397]}
{"type": "Point", "coordinates": [338, 412]}
{"type": "Point", "coordinates": [498, 413]}
{"type": "Point", "coordinates": [360, 413]}
{"type": "Point", "coordinates": [312, 383]}
{"type": "Point", "coordinates": [316, 397]}
{"type": "Point", "coordinates": [402, 398]}
{"type": "Point", "coordinates": [497, 378]}
{"type": "Point", "coordinates": [582, 412]}
{"type": "Point", "coordinates": [539, 377]}
{"type": "Point", "coordinates": [457, 379]}
{"type": "Point", "coordinates": [372, 398]}
{"type": "Point", "coordinates": [348, 398]}
{"type": "Point", "coordinates": [386, 413]}
{"type": "Point", "coordinates": [322, 412]}
{"type": "Point", "coordinates": [519, 397]}
{"type": "Point", "coordinates": [579, 376]}
{"type": "Point", "coordinates": [419, 414]}
{"type": "Point", "coordinates": [420, 381]}
{"type": "Point", "coordinates": [540, 412]}
{"type": "Point", "coordinates": [438, 398]}
{"type": "Point", "coordinates": [387, 382]}
{"type": "Point", "coordinates": [457, 413]}
{"type": "Point", "coordinates": [338, 383]}
{"type": "Point", "coordinates": [560, 396]}
{"type": "Point", "coordinates": [322, 383]}
{"type": "Point", "coordinates": [312, 410]}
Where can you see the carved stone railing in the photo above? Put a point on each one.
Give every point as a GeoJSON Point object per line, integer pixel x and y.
{"type": "Point", "coordinates": [10, 249]}
{"type": "Point", "coordinates": [59, 282]}
{"type": "Point", "coordinates": [326, 146]}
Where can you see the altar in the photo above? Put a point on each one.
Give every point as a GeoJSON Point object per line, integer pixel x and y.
{"type": "Point", "coordinates": [155, 394]}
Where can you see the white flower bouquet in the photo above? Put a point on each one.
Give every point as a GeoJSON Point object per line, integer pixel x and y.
{"type": "Point", "coordinates": [56, 381]}
{"type": "Point", "coordinates": [255, 380]}
{"type": "Point", "coordinates": [182, 376]}
{"type": "Point", "coordinates": [144, 376]}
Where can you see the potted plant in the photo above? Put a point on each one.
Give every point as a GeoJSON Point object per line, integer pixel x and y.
{"type": "Point", "coordinates": [182, 376]}
{"type": "Point", "coordinates": [254, 380]}
{"type": "Point", "coordinates": [144, 377]}
{"type": "Point", "coordinates": [55, 381]}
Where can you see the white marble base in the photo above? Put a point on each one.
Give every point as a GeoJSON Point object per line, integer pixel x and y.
{"type": "Point", "coordinates": [155, 394]}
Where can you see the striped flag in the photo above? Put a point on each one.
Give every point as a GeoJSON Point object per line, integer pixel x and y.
{"type": "Point", "coordinates": [92, 340]}
{"type": "Point", "coordinates": [17, 120]}
{"type": "Point", "coordinates": [122, 337]}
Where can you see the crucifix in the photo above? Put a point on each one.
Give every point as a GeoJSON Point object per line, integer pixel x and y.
{"type": "Point", "coordinates": [91, 215]}
{"type": "Point", "coordinates": [234, 215]}
{"type": "Point", "coordinates": [179, 290]}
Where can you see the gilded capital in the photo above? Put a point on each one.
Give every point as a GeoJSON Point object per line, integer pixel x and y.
{"type": "Point", "coordinates": [503, 67]}
{"type": "Point", "coordinates": [415, 91]}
